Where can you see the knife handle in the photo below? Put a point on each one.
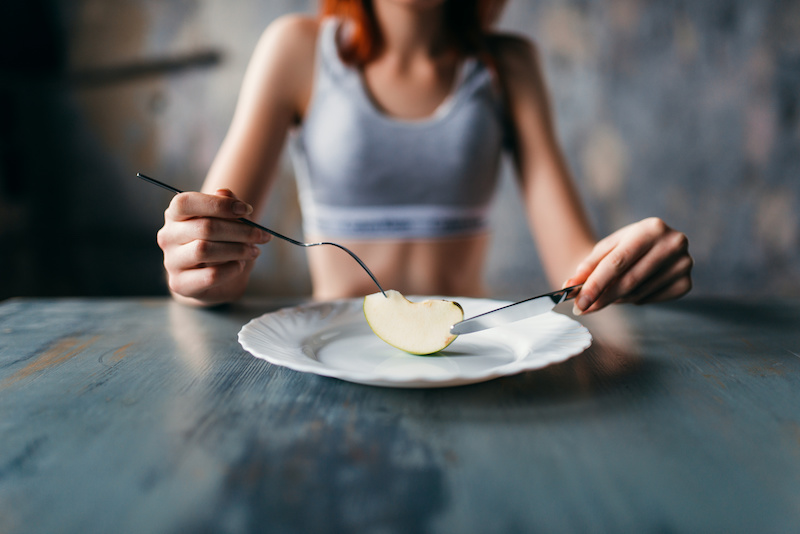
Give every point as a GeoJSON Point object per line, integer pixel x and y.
{"type": "Point", "coordinates": [569, 293]}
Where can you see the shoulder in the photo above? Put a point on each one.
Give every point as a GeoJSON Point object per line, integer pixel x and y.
{"type": "Point", "coordinates": [292, 36]}
{"type": "Point", "coordinates": [282, 64]}
{"type": "Point", "coordinates": [520, 76]}
{"type": "Point", "coordinates": [519, 70]}
{"type": "Point", "coordinates": [514, 54]}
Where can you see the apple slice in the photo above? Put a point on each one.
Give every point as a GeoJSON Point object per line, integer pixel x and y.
{"type": "Point", "coordinates": [415, 327]}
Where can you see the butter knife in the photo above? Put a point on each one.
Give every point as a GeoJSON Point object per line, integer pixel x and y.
{"type": "Point", "coordinates": [515, 312]}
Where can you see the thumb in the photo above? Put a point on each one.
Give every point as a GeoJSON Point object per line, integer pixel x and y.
{"type": "Point", "coordinates": [238, 207]}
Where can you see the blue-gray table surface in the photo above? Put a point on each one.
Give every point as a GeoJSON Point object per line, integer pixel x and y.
{"type": "Point", "coordinates": [141, 415]}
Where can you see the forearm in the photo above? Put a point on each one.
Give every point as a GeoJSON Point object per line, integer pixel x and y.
{"type": "Point", "coordinates": [558, 223]}
{"type": "Point", "coordinates": [556, 216]}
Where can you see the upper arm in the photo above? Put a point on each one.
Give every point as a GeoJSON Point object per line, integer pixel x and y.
{"type": "Point", "coordinates": [555, 213]}
{"type": "Point", "coordinates": [526, 97]}
{"type": "Point", "coordinates": [274, 92]}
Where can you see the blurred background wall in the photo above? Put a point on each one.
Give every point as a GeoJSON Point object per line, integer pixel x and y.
{"type": "Point", "coordinates": [681, 109]}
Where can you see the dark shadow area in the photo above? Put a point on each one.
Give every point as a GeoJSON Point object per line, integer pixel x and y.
{"type": "Point", "coordinates": [62, 231]}
{"type": "Point", "coordinates": [69, 225]}
{"type": "Point", "coordinates": [750, 312]}
{"type": "Point", "coordinates": [600, 374]}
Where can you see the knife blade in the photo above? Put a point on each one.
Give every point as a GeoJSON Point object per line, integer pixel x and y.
{"type": "Point", "coordinates": [515, 312]}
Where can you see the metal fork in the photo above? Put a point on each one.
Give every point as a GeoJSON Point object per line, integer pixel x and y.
{"type": "Point", "coordinates": [273, 232]}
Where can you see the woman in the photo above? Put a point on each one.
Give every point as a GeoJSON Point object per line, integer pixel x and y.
{"type": "Point", "coordinates": [398, 111]}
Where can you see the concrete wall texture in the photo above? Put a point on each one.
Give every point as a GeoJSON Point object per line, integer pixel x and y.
{"type": "Point", "coordinates": [685, 110]}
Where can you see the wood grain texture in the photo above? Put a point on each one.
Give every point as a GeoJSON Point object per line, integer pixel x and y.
{"type": "Point", "coordinates": [137, 415]}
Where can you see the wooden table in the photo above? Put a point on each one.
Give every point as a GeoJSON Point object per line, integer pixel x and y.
{"type": "Point", "coordinates": [140, 415]}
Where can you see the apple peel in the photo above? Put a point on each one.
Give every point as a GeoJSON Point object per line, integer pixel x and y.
{"type": "Point", "coordinates": [419, 328]}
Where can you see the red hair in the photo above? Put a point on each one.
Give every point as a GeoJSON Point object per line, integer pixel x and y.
{"type": "Point", "coordinates": [467, 23]}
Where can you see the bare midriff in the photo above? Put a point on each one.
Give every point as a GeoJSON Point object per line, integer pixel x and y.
{"type": "Point", "coordinates": [447, 267]}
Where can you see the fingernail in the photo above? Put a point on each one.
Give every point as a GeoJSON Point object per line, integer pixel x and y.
{"type": "Point", "coordinates": [582, 303]}
{"type": "Point", "coordinates": [254, 251]}
{"type": "Point", "coordinates": [576, 310]}
{"type": "Point", "coordinates": [240, 208]}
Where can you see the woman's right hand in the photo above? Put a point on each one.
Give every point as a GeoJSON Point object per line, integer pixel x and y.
{"type": "Point", "coordinates": [208, 254]}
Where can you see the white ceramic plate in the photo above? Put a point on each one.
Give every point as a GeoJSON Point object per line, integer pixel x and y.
{"type": "Point", "coordinates": [333, 339]}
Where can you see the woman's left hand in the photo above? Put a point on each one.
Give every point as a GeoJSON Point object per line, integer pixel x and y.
{"type": "Point", "coordinates": [644, 262]}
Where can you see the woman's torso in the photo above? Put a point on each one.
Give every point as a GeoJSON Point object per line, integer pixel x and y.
{"type": "Point", "coordinates": [405, 184]}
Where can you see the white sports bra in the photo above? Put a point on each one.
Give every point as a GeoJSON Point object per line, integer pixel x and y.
{"type": "Point", "coordinates": [364, 175]}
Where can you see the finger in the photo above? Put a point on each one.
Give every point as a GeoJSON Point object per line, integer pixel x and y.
{"type": "Point", "coordinates": [195, 283]}
{"type": "Point", "coordinates": [665, 284]}
{"type": "Point", "coordinates": [613, 265]}
{"type": "Point", "coordinates": [200, 253]}
{"type": "Point", "coordinates": [633, 242]}
{"type": "Point", "coordinates": [585, 268]}
{"type": "Point", "coordinates": [661, 262]}
{"type": "Point", "coordinates": [213, 229]}
{"type": "Point", "coordinates": [676, 289]}
{"type": "Point", "coordinates": [189, 205]}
